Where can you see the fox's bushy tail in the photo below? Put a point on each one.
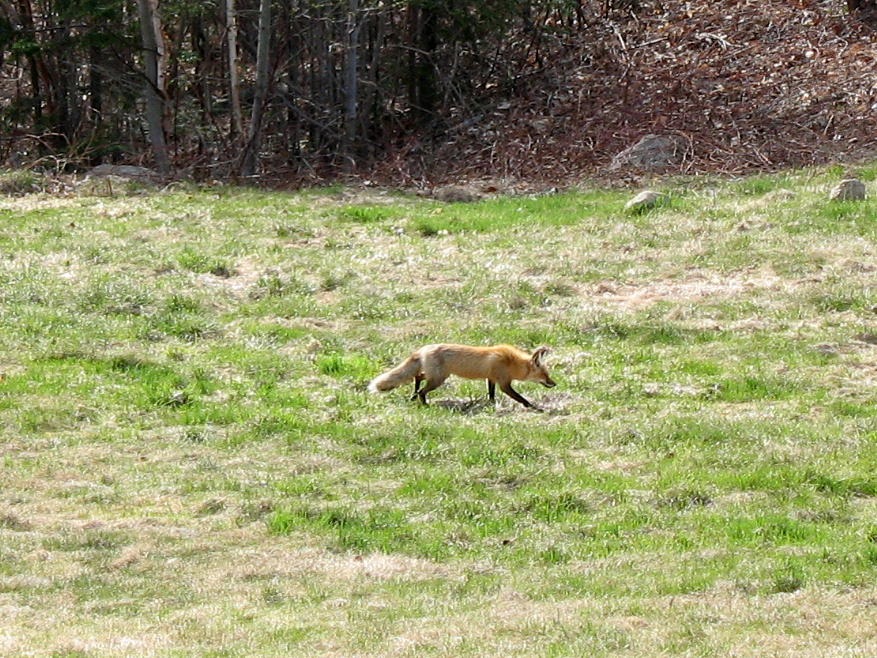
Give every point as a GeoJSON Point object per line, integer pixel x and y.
{"type": "Point", "coordinates": [405, 371]}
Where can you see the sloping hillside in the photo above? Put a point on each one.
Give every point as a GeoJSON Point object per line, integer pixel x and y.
{"type": "Point", "coordinates": [748, 84]}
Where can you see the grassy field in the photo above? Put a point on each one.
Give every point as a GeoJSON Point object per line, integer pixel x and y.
{"type": "Point", "coordinates": [192, 466]}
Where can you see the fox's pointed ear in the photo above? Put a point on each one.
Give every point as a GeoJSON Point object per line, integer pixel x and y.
{"type": "Point", "coordinates": [538, 354]}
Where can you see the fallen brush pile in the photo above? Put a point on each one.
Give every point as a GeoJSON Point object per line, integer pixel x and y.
{"type": "Point", "coordinates": [745, 85]}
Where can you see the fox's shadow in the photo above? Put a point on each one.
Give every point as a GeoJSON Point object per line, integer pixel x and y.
{"type": "Point", "coordinates": [470, 406]}
{"type": "Point", "coordinates": [474, 406]}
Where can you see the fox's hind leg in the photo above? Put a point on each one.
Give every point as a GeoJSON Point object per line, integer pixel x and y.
{"type": "Point", "coordinates": [431, 385]}
{"type": "Point", "coordinates": [417, 380]}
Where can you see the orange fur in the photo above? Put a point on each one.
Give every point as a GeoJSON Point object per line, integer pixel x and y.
{"type": "Point", "coordinates": [500, 365]}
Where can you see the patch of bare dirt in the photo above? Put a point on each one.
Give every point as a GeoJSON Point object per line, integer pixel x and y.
{"type": "Point", "coordinates": [340, 566]}
{"type": "Point", "coordinates": [638, 297]}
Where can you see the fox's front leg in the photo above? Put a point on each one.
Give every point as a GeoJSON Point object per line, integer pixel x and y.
{"type": "Point", "coordinates": [491, 390]}
{"type": "Point", "coordinates": [514, 395]}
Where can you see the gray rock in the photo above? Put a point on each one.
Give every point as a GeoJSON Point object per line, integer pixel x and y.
{"type": "Point", "coordinates": [848, 189]}
{"type": "Point", "coordinates": [651, 152]}
{"type": "Point", "coordinates": [128, 172]}
{"type": "Point", "coordinates": [644, 200]}
{"type": "Point", "coordinates": [457, 194]}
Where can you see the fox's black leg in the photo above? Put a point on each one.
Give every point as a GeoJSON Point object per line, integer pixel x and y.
{"type": "Point", "coordinates": [491, 390]}
{"type": "Point", "coordinates": [514, 395]}
{"type": "Point", "coordinates": [417, 381]}
{"type": "Point", "coordinates": [431, 385]}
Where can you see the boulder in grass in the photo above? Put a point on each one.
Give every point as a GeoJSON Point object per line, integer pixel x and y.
{"type": "Point", "coordinates": [457, 194]}
{"type": "Point", "coordinates": [126, 172]}
{"type": "Point", "coordinates": [849, 189]}
{"type": "Point", "coordinates": [652, 152]}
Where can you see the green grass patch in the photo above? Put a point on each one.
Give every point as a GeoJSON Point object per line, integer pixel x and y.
{"type": "Point", "coordinates": [192, 463]}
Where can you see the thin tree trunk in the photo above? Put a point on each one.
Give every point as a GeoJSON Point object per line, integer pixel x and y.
{"type": "Point", "coordinates": [95, 96]}
{"type": "Point", "coordinates": [54, 62]}
{"type": "Point", "coordinates": [72, 118]}
{"type": "Point", "coordinates": [427, 92]}
{"type": "Point", "coordinates": [154, 103]}
{"type": "Point", "coordinates": [350, 91]}
{"type": "Point", "coordinates": [25, 14]}
{"type": "Point", "coordinates": [161, 77]}
{"type": "Point", "coordinates": [260, 95]}
{"type": "Point", "coordinates": [95, 85]}
{"type": "Point", "coordinates": [202, 79]}
{"type": "Point", "coordinates": [293, 38]}
{"type": "Point", "coordinates": [370, 90]}
{"type": "Point", "coordinates": [237, 120]}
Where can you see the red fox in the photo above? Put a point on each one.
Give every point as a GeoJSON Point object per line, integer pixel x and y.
{"type": "Point", "coordinates": [498, 364]}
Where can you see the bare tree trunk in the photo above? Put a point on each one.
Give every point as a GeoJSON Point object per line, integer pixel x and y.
{"type": "Point", "coordinates": [160, 46]}
{"type": "Point", "coordinates": [370, 91]}
{"type": "Point", "coordinates": [25, 14]}
{"type": "Point", "coordinates": [425, 73]}
{"type": "Point", "coordinates": [95, 96]}
{"type": "Point", "coordinates": [320, 83]}
{"type": "Point", "coordinates": [294, 35]}
{"type": "Point", "coordinates": [260, 95]}
{"type": "Point", "coordinates": [73, 116]}
{"type": "Point", "coordinates": [154, 103]}
{"type": "Point", "coordinates": [54, 61]}
{"type": "Point", "coordinates": [202, 79]}
{"type": "Point", "coordinates": [161, 77]}
{"type": "Point", "coordinates": [237, 120]}
{"type": "Point", "coordinates": [95, 85]}
{"type": "Point", "coordinates": [350, 91]}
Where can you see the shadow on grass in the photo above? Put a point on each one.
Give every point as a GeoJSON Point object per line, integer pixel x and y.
{"type": "Point", "coordinates": [470, 407]}
{"type": "Point", "coordinates": [474, 406]}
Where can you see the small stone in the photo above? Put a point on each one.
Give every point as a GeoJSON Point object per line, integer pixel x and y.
{"type": "Point", "coordinates": [848, 189]}
{"type": "Point", "coordinates": [644, 201]}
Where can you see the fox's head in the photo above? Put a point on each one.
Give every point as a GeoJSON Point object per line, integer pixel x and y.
{"type": "Point", "coordinates": [538, 371]}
